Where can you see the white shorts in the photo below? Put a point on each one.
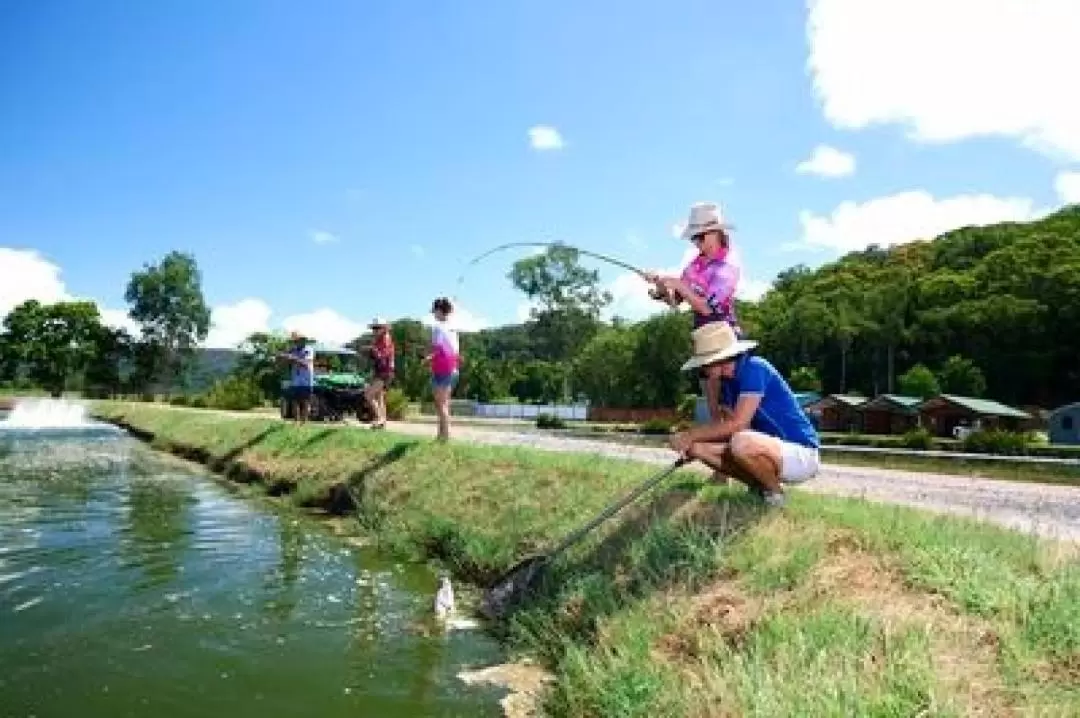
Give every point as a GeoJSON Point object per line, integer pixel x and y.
{"type": "Point", "coordinates": [797, 462]}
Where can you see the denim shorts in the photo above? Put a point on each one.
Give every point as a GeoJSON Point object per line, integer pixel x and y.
{"type": "Point", "coordinates": [300, 392]}
{"type": "Point", "coordinates": [444, 381]}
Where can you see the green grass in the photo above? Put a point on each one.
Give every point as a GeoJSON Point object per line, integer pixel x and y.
{"type": "Point", "coordinates": [695, 602]}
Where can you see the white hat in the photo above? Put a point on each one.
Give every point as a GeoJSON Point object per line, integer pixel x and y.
{"type": "Point", "coordinates": [715, 342]}
{"type": "Point", "coordinates": [704, 216]}
{"type": "Point", "coordinates": [378, 322]}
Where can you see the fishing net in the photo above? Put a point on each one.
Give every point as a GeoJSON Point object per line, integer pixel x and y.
{"type": "Point", "coordinates": [513, 586]}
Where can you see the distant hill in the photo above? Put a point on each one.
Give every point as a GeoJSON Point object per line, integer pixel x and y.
{"type": "Point", "coordinates": [1005, 296]}
{"type": "Point", "coordinates": [210, 365]}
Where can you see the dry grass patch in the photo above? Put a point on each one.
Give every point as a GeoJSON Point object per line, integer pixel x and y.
{"type": "Point", "coordinates": [963, 651]}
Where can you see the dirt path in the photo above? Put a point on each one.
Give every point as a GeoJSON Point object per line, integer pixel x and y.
{"type": "Point", "coordinates": [1051, 511]}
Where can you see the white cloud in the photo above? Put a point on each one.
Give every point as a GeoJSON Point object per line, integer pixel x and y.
{"type": "Point", "coordinates": [231, 324]}
{"type": "Point", "coordinates": [751, 290]}
{"type": "Point", "coordinates": [949, 71]}
{"type": "Point", "coordinates": [630, 293]}
{"type": "Point", "coordinates": [905, 217]}
{"type": "Point", "coordinates": [320, 236]}
{"type": "Point", "coordinates": [25, 274]}
{"type": "Point", "coordinates": [119, 319]}
{"type": "Point", "coordinates": [417, 251]}
{"type": "Point", "coordinates": [827, 161]}
{"type": "Point", "coordinates": [524, 310]}
{"type": "Point", "coordinates": [325, 326]}
{"type": "Point", "coordinates": [461, 319]}
{"type": "Point", "coordinates": [1067, 185]}
{"type": "Point", "coordinates": [544, 137]}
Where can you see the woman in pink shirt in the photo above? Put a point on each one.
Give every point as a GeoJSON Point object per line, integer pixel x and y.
{"type": "Point", "coordinates": [444, 359]}
{"type": "Point", "coordinates": [707, 283]}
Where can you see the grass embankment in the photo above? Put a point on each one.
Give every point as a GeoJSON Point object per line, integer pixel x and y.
{"type": "Point", "coordinates": [696, 602]}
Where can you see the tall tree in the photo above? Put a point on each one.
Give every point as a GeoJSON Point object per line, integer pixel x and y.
{"type": "Point", "coordinates": [104, 374]}
{"type": "Point", "coordinates": [259, 362]}
{"type": "Point", "coordinates": [53, 343]}
{"type": "Point", "coordinates": [166, 299]}
{"type": "Point", "coordinates": [569, 297]}
{"type": "Point", "coordinates": [604, 369]}
{"type": "Point", "coordinates": [663, 344]}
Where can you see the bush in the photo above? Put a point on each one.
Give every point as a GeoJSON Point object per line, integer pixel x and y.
{"type": "Point", "coordinates": [687, 407]}
{"type": "Point", "coordinates": [179, 401]}
{"type": "Point", "coordinates": [996, 441]}
{"type": "Point", "coordinates": [657, 426]}
{"type": "Point", "coordinates": [397, 404]}
{"type": "Point", "coordinates": [550, 421]}
{"type": "Point", "coordinates": [235, 394]}
{"type": "Point", "coordinates": [198, 402]}
{"type": "Point", "coordinates": [918, 438]}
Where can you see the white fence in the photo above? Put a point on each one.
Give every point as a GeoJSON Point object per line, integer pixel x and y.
{"type": "Point", "coordinates": [569, 412]}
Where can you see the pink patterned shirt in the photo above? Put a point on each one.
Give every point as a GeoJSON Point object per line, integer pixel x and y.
{"type": "Point", "coordinates": [716, 281]}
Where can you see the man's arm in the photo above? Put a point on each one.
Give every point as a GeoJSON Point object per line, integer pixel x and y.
{"type": "Point", "coordinates": [733, 421]}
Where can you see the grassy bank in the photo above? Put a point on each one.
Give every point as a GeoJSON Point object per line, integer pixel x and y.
{"type": "Point", "coordinates": [696, 602]}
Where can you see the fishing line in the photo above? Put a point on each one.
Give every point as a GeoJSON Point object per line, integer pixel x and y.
{"type": "Point", "coordinates": [596, 255]}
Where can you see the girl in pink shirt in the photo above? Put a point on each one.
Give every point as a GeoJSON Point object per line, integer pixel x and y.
{"type": "Point", "coordinates": [707, 283]}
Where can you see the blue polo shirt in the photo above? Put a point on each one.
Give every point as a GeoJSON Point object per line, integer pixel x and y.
{"type": "Point", "coordinates": [302, 373]}
{"type": "Point", "coordinates": [779, 413]}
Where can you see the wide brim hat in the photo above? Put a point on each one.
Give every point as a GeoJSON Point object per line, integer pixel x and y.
{"type": "Point", "coordinates": [704, 217]}
{"type": "Point", "coordinates": [295, 336]}
{"type": "Point", "coordinates": [716, 342]}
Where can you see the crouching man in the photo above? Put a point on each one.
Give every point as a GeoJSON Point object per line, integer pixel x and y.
{"type": "Point", "coordinates": [763, 438]}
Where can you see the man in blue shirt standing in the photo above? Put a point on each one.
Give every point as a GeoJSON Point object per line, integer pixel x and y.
{"type": "Point", "coordinates": [763, 438]}
{"type": "Point", "coordinates": [302, 379]}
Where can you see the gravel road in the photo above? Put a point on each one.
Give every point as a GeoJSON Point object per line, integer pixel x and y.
{"type": "Point", "coordinates": [1050, 511]}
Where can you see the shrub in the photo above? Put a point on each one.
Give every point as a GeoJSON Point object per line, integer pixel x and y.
{"type": "Point", "coordinates": [549, 421]}
{"type": "Point", "coordinates": [996, 441]}
{"type": "Point", "coordinates": [918, 438]}
{"type": "Point", "coordinates": [397, 404]}
{"type": "Point", "coordinates": [657, 426]}
{"type": "Point", "coordinates": [198, 402]}
{"type": "Point", "coordinates": [181, 400]}
{"type": "Point", "coordinates": [687, 407]}
{"type": "Point", "coordinates": [235, 394]}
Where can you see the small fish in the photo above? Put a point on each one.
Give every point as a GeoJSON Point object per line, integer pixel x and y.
{"type": "Point", "coordinates": [444, 598]}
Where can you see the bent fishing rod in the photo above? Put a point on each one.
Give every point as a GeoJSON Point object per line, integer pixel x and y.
{"type": "Point", "coordinates": [595, 255]}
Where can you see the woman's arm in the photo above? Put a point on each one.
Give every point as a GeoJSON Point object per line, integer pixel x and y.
{"type": "Point", "coordinates": [720, 282]}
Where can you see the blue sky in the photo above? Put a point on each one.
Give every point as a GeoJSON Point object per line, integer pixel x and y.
{"type": "Point", "coordinates": [247, 131]}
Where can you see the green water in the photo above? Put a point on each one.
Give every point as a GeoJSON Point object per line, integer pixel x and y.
{"type": "Point", "coordinates": [132, 585]}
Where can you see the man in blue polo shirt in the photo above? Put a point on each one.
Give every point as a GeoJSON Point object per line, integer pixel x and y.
{"type": "Point", "coordinates": [763, 438]}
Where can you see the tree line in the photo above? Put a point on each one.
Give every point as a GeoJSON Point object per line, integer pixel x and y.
{"type": "Point", "coordinates": [979, 311]}
{"type": "Point", "coordinates": [65, 345]}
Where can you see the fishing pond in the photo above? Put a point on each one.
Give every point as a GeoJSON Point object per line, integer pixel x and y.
{"type": "Point", "coordinates": [135, 584]}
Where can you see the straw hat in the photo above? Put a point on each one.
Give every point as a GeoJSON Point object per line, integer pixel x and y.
{"type": "Point", "coordinates": [295, 336]}
{"type": "Point", "coordinates": [705, 216]}
{"type": "Point", "coordinates": [716, 342]}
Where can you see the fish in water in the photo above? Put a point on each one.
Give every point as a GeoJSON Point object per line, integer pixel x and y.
{"type": "Point", "coordinates": [444, 598]}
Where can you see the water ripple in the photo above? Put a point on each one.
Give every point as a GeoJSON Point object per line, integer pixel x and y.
{"type": "Point", "coordinates": [144, 584]}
